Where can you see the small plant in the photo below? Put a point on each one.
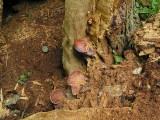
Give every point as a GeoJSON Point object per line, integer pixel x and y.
{"type": "Point", "coordinates": [23, 78]}
{"type": "Point", "coordinates": [28, 15]}
{"type": "Point", "coordinates": [149, 86]}
{"type": "Point", "coordinates": [118, 37]}
{"type": "Point", "coordinates": [19, 29]}
{"type": "Point", "coordinates": [117, 58]}
{"type": "Point", "coordinates": [147, 8]}
{"type": "Point", "coordinates": [93, 43]}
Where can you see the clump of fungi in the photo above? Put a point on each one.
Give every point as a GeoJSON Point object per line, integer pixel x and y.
{"type": "Point", "coordinates": [85, 46]}
{"type": "Point", "coordinates": [76, 80]}
{"type": "Point", "coordinates": [58, 97]}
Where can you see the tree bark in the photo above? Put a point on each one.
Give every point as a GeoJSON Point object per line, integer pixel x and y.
{"type": "Point", "coordinates": [111, 18]}
{"type": "Point", "coordinates": [74, 27]}
{"type": "Point", "coordinates": [1, 11]}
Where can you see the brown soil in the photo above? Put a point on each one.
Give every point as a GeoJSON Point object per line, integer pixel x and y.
{"type": "Point", "coordinates": [23, 53]}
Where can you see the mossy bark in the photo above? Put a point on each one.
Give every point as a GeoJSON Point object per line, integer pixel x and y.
{"type": "Point", "coordinates": [125, 22]}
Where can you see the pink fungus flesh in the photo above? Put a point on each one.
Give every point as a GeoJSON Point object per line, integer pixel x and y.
{"type": "Point", "coordinates": [76, 80]}
{"type": "Point", "coordinates": [57, 96]}
{"type": "Point", "coordinates": [85, 46]}
{"type": "Point", "coordinates": [75, 89]}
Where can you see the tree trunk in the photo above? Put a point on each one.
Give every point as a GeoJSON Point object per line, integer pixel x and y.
{"type": "Point", "coordinates": [111, 19]}
{"type": "Point", "coordinates": [2, 38]}
{"type": "Point", "coordinates": [74, 27]}
{"type": "Point", "coordinates": [1, 10]}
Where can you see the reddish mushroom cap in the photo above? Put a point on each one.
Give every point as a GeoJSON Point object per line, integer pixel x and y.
{"type": "Point", "coordinates": [75, 80]}
{"type": "Point", "coordinates": [85, 46]}
{"type": "Point", "coordinates": [75, 89]}
{"type": "Point", "coordinates": [57, 96]}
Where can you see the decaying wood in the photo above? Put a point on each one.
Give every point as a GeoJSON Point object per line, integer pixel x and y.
{"type": "Point", "coordinates": [147, 39]}
{"type": "Point", "coordinates": [75, 27]}
{"type": "Point", "coordinates": [107, 19]}
{"type": "Point", "coordinates": [125, 22]}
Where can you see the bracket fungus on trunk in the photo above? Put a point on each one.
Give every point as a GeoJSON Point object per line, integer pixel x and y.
{"type": "Point", "coordinates": [76, 80]}
{"type": "Point", "coordinates": [57, 97]}
{"type": "Point", "coordinates": [85, 46]}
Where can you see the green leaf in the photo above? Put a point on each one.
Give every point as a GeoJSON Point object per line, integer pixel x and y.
{"type": "Point", "coordinates": [145, 10]}
{"type": "Point", "coordinates": [148, 9]}
{"type": "Point", "coordinates": [93, 43]}
{"type": "Point", "coordinates": [137, 12]}
{"type": "Point", "coordinates": [115, 53]}
{"type": "Point", "coordinates": [137, 4]}
{"type": "Point", "coordinates": [118, 37]}
{"type": "Point", "coordinates": [29, 74]}
{"type": "Point", "coordinates": [21, 81]}
{"type": "Point", "coordinates": [154, 5]}
{"type": "Point", "coordinates": [28, 15]}
{"type": "Point", "coordinates": [23, 78]}
{"type": "Point", "coordinates": [117, 58]}
{"type": "Point", "coordinates": [148, 86]}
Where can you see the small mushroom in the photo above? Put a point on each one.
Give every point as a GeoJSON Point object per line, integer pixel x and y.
{"type": "Point", "coordinates": [85, 46]}
{"type": "Point", "coordinates": [76, 80]}
{"type": "Point", "coordinates": [57, 97]}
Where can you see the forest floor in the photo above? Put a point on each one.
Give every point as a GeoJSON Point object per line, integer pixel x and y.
{"type": "Point", "coordinates": [114, 87]}
{"type": "Point", "coordinates": [34, 26]}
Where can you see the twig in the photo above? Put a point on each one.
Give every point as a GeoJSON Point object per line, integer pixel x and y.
{"type": "Point", "coordinates": [156, 59]}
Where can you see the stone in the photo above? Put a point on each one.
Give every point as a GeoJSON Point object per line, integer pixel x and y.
{"type": "Point", "coordinates": [137, 71]}
{"type": "Point", "coordinates": [115, 90]}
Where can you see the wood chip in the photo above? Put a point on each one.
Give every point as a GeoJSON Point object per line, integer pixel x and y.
{"type": "Point", "coordinates": [147, 51]}
{"type": "Point", "coordinates": [120, 66]}
{"type": "Point", "coordinates": [117, 66]}
{"type": "Point", "coordinates": [152, 39]}
{"type": "Point", "coordinates": [22, 92]}
{"type": "Point", "coordinates": [157, 45]}
{"type": "Point", "coordinates": [37, 83]}
{"type": "Point", "coordinates": [24, 98]}
{"type": "Point", "coordinates": [156, 59]}
{"type": "Point", "coordinates": [16, 86]}
{"type": "Point", "coordinates": [145, 43]}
